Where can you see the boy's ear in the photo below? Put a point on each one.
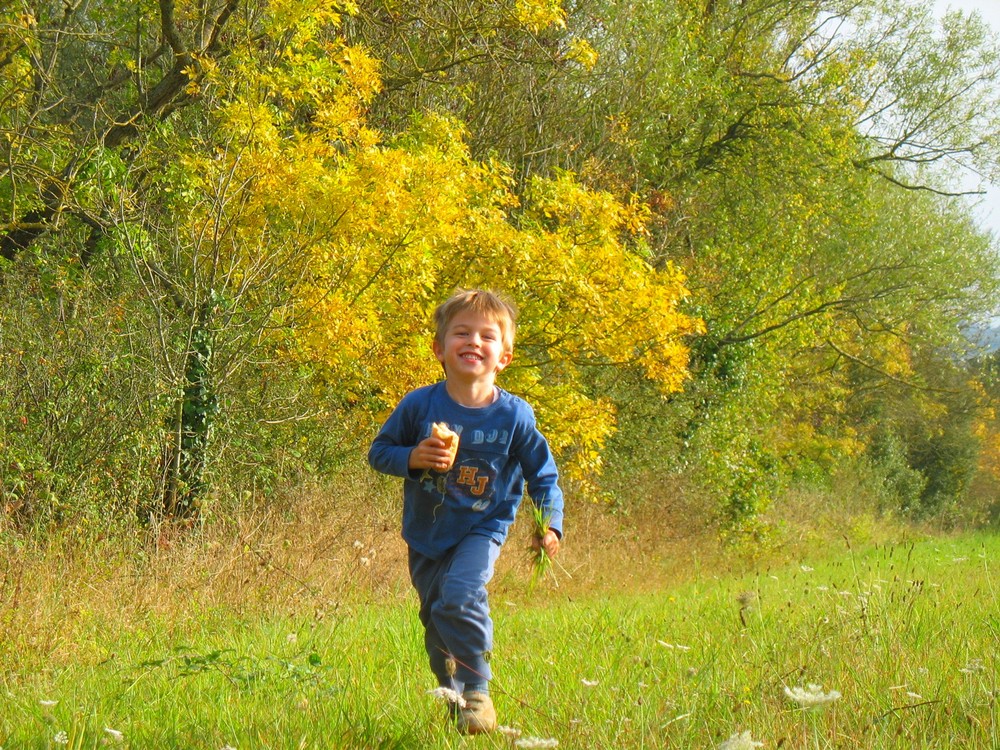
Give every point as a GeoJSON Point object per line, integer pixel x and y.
{"type": "Point", "coordinates": [438, 350]}
{"type": "Point", "coordinates": [505, 359]}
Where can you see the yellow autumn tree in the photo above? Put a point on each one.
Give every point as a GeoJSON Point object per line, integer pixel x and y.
{"type": "Point", "coordinates": [366, 237]}
{"type": "Point", "coordinates": [419, 218]}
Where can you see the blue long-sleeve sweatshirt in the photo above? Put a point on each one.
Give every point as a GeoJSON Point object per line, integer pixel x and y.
{"type": "Point", "coordinates": [499, 449]}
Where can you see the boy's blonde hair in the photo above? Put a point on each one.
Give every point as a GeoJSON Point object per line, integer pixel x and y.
{"type": "Point", "coordinates": [490, 305]}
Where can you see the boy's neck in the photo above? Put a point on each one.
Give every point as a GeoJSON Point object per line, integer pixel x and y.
{"type": "Point", "coordinates": [473, 394]}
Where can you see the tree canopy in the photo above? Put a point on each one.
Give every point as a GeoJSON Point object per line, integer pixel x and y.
{"type": "Point", "coordinates": [733, 230]}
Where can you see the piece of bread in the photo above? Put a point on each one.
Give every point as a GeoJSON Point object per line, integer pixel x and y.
{"type": "Point", "coordinates": [450, 439]}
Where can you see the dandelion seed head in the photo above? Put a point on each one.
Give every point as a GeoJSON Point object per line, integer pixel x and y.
{"type": "Point", "coordinates": [449, 695]}
{"type": "Point", "coordinates": [114, 734]}
{"type": "Point", "coordinates": [741, 741]}
{"type": "Point", "coordinates": [811, 695]}
{"type": "Point", "coordinates": [536, 742]}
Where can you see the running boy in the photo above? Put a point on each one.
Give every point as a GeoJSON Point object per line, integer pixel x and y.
{"type": "Point", "coordinates": [456, 513]}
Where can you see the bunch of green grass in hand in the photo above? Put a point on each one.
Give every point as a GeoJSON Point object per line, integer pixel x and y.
{"type": "Point", "coordinates": [541, 563]}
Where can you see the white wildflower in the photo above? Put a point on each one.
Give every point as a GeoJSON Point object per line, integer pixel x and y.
{"type": "Point", "coordinates": [291, 638]}
{"type": "Point", "coordinates": [676, 718]}
{"type": "Point", "coordinates": [811, 695]}
{"type": "Point", "coordinates": [976, 665]}
{"type": "Point", "coordinates": [674, 646]}
{"type": "Point", "coordinates": [447, 694]}
{"type": "Point", "coordinates": [914, 696]}
{"type": "Point", "coordinates": [511, 732]}
{"type": "Point", "coordinates": [48, 704]}
{"type": "Point", "coordinates": [114, 734]}
{"type": "Point", "coordinates": [358, 544]}
{"type": "Point", "coordinates": [822, 588]}
{"type": "Point", "coordinates": [590, 683]}
{"type": "Point", "coordinates": [227, 747]}
{"type": "Point", "coordinates": [61, 738]}
{"type": "Point", "coordinates": [806, 569]}
{"type": "Point", "coordinates": [536, 742]}
{"type": "Point", "coordinates": [740, 741]}
{"type": "Point", "coordinates": [365, 561]}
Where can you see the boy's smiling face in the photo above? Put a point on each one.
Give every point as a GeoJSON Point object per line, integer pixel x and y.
{"type": "Point", "coordinates": [473, 348]}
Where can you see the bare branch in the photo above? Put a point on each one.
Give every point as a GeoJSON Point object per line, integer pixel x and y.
{"type": "Point", "coordinates": [888, 376]}
{"type": "Point", "coordinates": [927, 188]}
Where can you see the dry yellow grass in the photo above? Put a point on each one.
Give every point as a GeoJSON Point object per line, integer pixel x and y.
{"type": "Point", "coordinates": [315, 549]}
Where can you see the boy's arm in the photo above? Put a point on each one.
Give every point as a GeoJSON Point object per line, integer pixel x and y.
{"type": "Point", "coordinates": [542, 477]}
{"type": "Point", "coordinates": [390, 451]}
{"type": "Point", "coordinates": [396, 451]}
{"type": "Point", "coordinates": [389, 457]}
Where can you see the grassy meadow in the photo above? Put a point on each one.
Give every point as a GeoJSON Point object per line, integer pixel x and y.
{"type": "Point", "coordinates": [285, 630]}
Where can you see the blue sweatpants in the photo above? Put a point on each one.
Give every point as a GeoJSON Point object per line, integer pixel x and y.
{"type": "Point", "coordinates": [455, 610]}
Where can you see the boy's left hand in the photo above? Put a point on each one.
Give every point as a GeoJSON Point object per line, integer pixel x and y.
{"type": "Point", "coordinates": [549, 542]}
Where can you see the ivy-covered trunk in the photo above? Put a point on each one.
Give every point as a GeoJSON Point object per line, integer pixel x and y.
{"type": "Point", "coordinates": [190, 426]}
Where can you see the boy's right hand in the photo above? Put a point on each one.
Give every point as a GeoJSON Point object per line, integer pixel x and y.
{"type": "Point", "coordinates": [430, 453]}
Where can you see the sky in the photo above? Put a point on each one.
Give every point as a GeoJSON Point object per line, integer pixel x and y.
{"type": "Point", "coordinates": [989, 208]}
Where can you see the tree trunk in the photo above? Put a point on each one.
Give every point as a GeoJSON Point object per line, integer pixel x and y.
{"type": "Point", "coordinates": [191, 422]}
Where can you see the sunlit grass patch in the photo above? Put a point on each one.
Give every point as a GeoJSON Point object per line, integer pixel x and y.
{"type": "Point", "coordinates": [891, 646]}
